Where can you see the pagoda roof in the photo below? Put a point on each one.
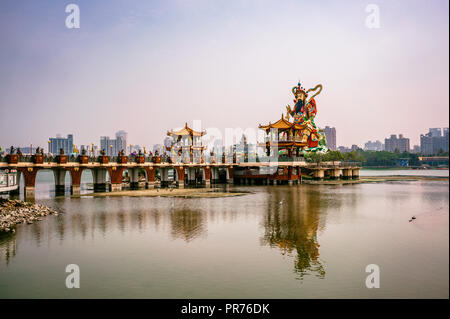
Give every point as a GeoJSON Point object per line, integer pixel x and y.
{"type": "Point", "coordinates": [282, 124]}
{"type": "Point", "coordinates": [186, 130]}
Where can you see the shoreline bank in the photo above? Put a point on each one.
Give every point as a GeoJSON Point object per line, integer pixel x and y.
{"type": "Point", "coordinates": [168, 192]}
{"type": "Point", "coordinates": [214, 193]}
{"type": "Point", "coordinates": [379, 179]}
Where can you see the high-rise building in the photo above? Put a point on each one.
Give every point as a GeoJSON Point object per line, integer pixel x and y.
{"type": "Point", "coordinates": [121, 140]}
{"type": "Point", "coordinates": [433, 142]}
{"type": "Point", "coordinates": [373, 146]}
{"type": "Point", "coordinates": [108, 145]}
{"type": "Point", "coordinates": [330, 134]}
{"type": "Point", "coordinates": [111, 146]}
{"type": "Point", "coordinates": [58, 142]}
{"type": "Point", "coordinates": [435, 132]}
{"type": "Point", "coordinates": [415, 149]}
{"type": "Point", "coordinates": [344, 149]}
{"type": "Point", "coordinates": [400, 144]}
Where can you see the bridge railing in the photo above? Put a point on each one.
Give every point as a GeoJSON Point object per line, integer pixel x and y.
{"type": "Point", "coordinates": [291, 159]}
{"type": "Point", "coordinates": [46, 158]}
{"type": "Point", "coordinates": [349, 164]}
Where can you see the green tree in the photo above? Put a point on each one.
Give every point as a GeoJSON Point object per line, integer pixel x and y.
{"type": "Point", "coordinates": [333, 156]}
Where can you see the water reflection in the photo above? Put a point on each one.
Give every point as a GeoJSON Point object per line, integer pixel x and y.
{"type": "Point", "coordinates": [187, 224]}
{"type": "Point", "coordinates": [291, 223]}
{"type": "Point", "coordinates": [8, 247]}
{"type": "Point", "coordinates": [82, 218]}
{"type": "Point", "coordinates": [253, 245]}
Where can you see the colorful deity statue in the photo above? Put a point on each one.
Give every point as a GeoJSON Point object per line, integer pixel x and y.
{"type": "Point", "coordinates": [301, 135]}
{"type": "Point", "coordinates": [304, 113]}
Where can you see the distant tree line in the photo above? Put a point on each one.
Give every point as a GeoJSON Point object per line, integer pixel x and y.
{"type": "Point", "coordinates": [368, 158]}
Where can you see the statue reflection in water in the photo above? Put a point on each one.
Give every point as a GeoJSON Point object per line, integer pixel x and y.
{"type": "Point", "coordinates": [291, 224]}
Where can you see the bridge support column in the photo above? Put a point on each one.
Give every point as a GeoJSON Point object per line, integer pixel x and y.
{"type": "Point", "coordinates": [180, 174]}
{"type": "Point", "coordinates": [207, 176]}
{"type": "Point", "coordinates": [290, 175]}
{"type": "Point", "coordinates": [150, 177]}
{"type": "Point", "coordinates": [335, 173]}
{"type": "Point", "coordinates": [29, 175]}
{"type": "Point", "coordinates": [17, 190]}
{"type": "Point", "coordinates": [215, 175]}
{"type": "Point", "coordinates": [115, 187]}
{"type": "Point", "coordinates": [230, 175]}
{"type": "Point", "coordinates": [134, 179]}
{"type": "Point", "coordinates": [319, 174]}
{"type": "Point", "coordinates": [75, 189]}
{"type": "Point", "coordinates": [60, 179]}
{"type": "Point", "coordinates": [191, 176]}
{"type": "Point", "coordinates": [75, 174]}
{"type": "Point", "coordinates": [355, 173]}
{"type": "Point", "coordinates": [347, 173]}
{"type": "Point", "coordinates": [29, 192]}
{"type": "Point", "coordinates": [116, 178]}
{"type": "Point", "coordinates": [99, 177]}
{"type": "Point", "coordinates": [164, 176]}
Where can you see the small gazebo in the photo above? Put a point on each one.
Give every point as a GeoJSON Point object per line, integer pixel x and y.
{"type": "Point", "coordinates": [187, 144]}
{"type": "Point", "coordinates": [284, 135]}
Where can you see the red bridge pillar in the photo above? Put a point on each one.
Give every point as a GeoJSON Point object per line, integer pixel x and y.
{"type": "Point", "coordinates": [230, 175]}
{"type": "Point", "coordinates": [208, 176]}
{"type": "Point", "coordinates": [150, 177]}
{"type": "Point", "coordinates": [290, 175]}
{"type": "Point", "coordinates": [75, 174]}
{"type": "Point", "coordinates": [116, 178]}
{"type": "Point", "coordinates": [180, 174]}
{"type": "Point", "coordinates": [29, 174]}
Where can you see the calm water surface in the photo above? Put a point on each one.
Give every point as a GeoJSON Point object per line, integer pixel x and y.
{"type": "Point", "coordinates": [404, 172]}
{"type": "Point", "coordinates": [305, 241]}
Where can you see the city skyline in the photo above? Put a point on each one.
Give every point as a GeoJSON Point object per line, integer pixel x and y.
{"type": "Point", "coordinates": [122, 135]}
{"type": "Point", "coordinates": [124, 67]}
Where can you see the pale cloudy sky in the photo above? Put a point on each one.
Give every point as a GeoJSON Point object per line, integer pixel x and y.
{"type": "Point", "coordinates": [148, 66]}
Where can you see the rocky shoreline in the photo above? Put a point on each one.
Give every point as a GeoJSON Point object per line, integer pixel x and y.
{"type": "Point", "coordinates": [14, 212]}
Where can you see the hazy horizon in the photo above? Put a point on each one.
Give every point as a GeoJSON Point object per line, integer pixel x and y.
{"type": "Point", "coordinates": [149, 66]}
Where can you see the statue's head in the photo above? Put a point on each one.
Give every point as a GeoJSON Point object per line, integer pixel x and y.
{"type": "Point", "coordinates": [299, 93]}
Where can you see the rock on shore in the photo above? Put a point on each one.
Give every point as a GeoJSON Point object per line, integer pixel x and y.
{"type": "Point", "coordinates": [13, 212]}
